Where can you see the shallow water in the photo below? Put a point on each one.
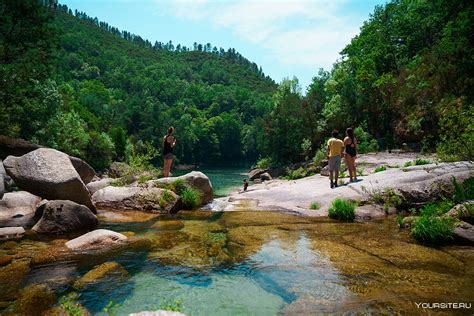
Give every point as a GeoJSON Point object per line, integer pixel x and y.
{"type": "Point", "coordinates": [267, 263]}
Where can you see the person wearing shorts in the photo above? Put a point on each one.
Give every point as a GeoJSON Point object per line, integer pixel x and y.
{"type": "Point", "coordinates": [168, 144]}
{"type": "Point", "coordinates": [334, 152]}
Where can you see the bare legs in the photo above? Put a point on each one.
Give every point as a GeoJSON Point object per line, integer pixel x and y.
{"type": "Point", "coordinates": [334, 174]}
{"type": "Point", "coordinates": [167, 167]}
{"type": "Point", "coordinates": [350, 162]}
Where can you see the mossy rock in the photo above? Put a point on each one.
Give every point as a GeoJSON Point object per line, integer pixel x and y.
{"type": "Point", "coordinates": [4, 260]}
{"type": "Point", "coordinates": [196, 215]}
{"type": "Point", "coordinates": [409, 221]}
{"type": "Point", "coordinates": [168, 225]}
{"type": "Point", "coordinates": [9, 245]}
{"type": "Point", "coordinates": [166, 239]}
{"type": "Point", "coordinates": [11, 276]}
{"type": "Point", "coordinates": [107, 269]}
{"type": "Point", "coordinates": [35, 300]}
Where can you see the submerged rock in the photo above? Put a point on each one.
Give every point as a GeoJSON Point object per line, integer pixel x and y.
{"type": "Point", "coordinates": [107, 269]}
{"type": "Point", "coordinates": [195, 179]}
{"type": "Point", "coordinates": [11, 278]}
{"type": "Point", "coordinates": [137, 198]}
{"type": "Point", "coordinates": [168, 225]}
{"type": "Point", "coordinates": [7, 233]}
{"type": "Point", "coordinates": [18, 208]}
{"type": "Point", "coordinates": [97, 239]}
{"type": "Point", "coordinates": [35, 299]}
{"type": "Point", "coordinates": [62, 216]}
{"type": "Point", "coordinates": [50, 174]}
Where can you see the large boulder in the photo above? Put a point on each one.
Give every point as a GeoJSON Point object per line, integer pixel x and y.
{"type": "Point", "coordinates": [256, 173]}
{"type": "Point", "coordinates": [265, 176]}
{"type": "Point", "coordinates": [97, 239]}
{"type": "Point", "coordinates": [50, 174]}
{"type": "Point", "coordinates": [18, 208]}
{"type": "Point", "coordinates": [137, 198]}
{"type": "Point", "coordinates": [195, 179]}
{"type": "Point", "coordinates": [85, 171]}
{"type": "Point", "coordinates": [18, 147]}
{"type": "Point", "coordinates": [95, 186]}
{"type": "Point", "coordinates": [464, 233]}
{"type": "Point", "coordinates": [62, 216]}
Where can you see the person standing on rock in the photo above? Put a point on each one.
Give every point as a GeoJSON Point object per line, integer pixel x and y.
{"type": "Point", "coordinates": [168, 144]}
{"type": "Point", "coordinates": [350, 153]}
{"type": "Point", "coordinates": [334, 152]}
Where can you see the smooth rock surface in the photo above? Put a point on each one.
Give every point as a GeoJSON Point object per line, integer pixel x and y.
{"type": "Point", "coordinates": [62, 216]}
{"type": "Point", "coordinates": [8, 233]}
{"type": "Point", "coordinates": [50, 174]}
{"type": "Point", "coordinates": [195, 179]}
{"type": "Point", "coordinates": [96, 239]}
{"type": "Point", "coordinates": [137, 198]}
{"type": "Point", "coordinates": [18, 208]}
{"type": "Point", "coordinates": [266, 176]}
{"type": "Point", "coordinates": [95, 186]}
{"type": "Point", "coordinates": [10, 146]}
{"type": "Point", "coordinates": [417, 185]}
{"type": "Point", "coordinates": [3, 175]}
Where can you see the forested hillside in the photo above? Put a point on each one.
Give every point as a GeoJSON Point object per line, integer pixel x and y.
{"type": "Point", "coordinates": [87, 88]}
{"type": "Point", "coordinates": [406, 78]}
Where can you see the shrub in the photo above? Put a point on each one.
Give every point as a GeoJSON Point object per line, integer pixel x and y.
{"type": "Point", "coordinates": [419, 162]}
{"type": "Point", "coordinates": [464, 191]}
{"type": "Point", "coordinates": [191, 198]}
{"type": "Point", "coordinates": [365, 141]}
{"type": "Point", "coordinates": [320, 155]}
{"type": "Point", "coordinates": [179, 186]}
{"type": "Point", "coordinates": [165, 198]}
{"type": "Point", "coordinates": [295, 174]}
{"type": "Point", "coordinates": [264, 163]}
{"type": "Point", "coordinates": [433, 230]}
{"type": "Point", "coordinates": [342, 210]}
{"type": "Point", "coordinates": [436, 209]}
{"type": "Point", "coordinates": [380, 168]}
{"type": "Point", "coordinates": [314, 206]}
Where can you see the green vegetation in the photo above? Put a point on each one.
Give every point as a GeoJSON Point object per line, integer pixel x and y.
{"type": "Point", "coordinates": [111, 308]}
{"type": "Point", "coordinates": [71, 306]}
{"type": "Point", "coordinates": [179, 186]}
{"type": "Point", "coordinates": [82, 86]}
{"type": "Point", "coordinates": [296, 174]}
{"type": "Point", "coordinates": [380, 168]}
{"type": "Point", "coordinates": [165, 198]}
{"type": "Point", "coordinates": [464, 191]}
{"type": "Point", "coordinates": [174, 305]}
{"type": "Point", "coordinates": [433, 230]}
{"type": "Point", "coordinates": [408, 164]}
{"type": "Point", "coordinates": [343, 210]}
{"type": "Point", "coordinates": [191, 198]}
{"type": "Point", "coordinates": [314, 206]}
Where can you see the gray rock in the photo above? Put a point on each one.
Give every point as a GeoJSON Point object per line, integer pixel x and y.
{"type": "Point", "coordinates": [119, 169]}
{"type": "Point", "coordinates": [85, 171]}
{"type": "Point", "coordinates": [8, 233]}
{"type": "Point", "coordinates": [50, 174]}
{"type": "Point", "coordinates": [325, 171]}
{"type": "Point", "coordinates": [462, 211]}
{"type": "Point", "coordinates": [95, 186]}
{"type": "Point", "coordinates": [62, 216]}
{"type": "Point", "coordinates": [3, 175]}
{"type": "Point", "coordinates": [265, 176]}
{"type": "Point", "coordinates": [464, 232]}
{"type": "Point", "coordinates": [96, 239]}
{"type": "Point", "coordinates": [195, 179]}
{"type": "Point", "coordinates": [137, 198]}
{"type": "Point", "coordinates": [256, 173]}
{"type": "Point", "coordinates": [18, 208]}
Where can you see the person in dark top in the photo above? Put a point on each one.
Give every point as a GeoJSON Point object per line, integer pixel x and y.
{"type": "Point", "coordinates": [246, 185]}
{"type": "Point", "coordinates": [350, 153]}
{"type": "Point", "coordinates": [168, 144]}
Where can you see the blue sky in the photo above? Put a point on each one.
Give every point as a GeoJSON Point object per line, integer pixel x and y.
{"type": "Point", "coordinates": [287, 38]}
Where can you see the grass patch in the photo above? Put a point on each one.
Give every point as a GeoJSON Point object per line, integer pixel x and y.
{"type": "Point", "coordinates": [173, 305]}
{"type": "Point", "coordinates": [463, 191]}
{"type": "Point", "coordinates": [420, 162]}
{"type": "Point", "coordinates": [144, 178]}
{"type": "Point", "coordinates": [380, 168]}
{"type": "Point", "coordinates": [408, 164]}
{"type": "Point", "coordinates": [71, 306]}
{"type": "Point", "coordinates": [433, 230]}
{"type": "Point", "coordinates": [343, 210]}
{"type": "Point", "coordinates": [165, 198]}
{"type": "Point", "coordinates": [314, 206]}
{"type": "Point", "coordinates": [190, 198]}
{"type": "Point", "coordinates": [388, 198]}
{"type": "Point", "coordinates": [179, 186]}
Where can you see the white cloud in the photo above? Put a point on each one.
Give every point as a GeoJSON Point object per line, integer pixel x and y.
{"type": "Point", "coordinates": [308, 33]}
